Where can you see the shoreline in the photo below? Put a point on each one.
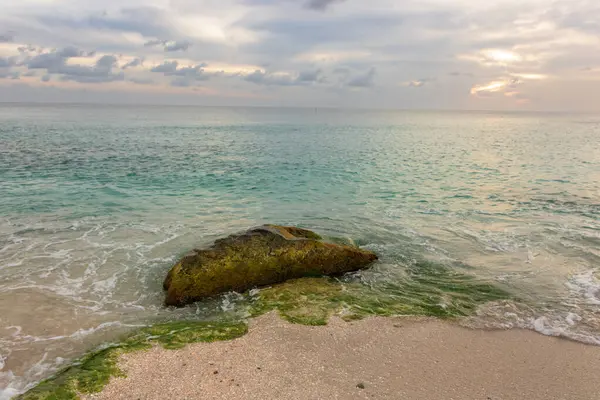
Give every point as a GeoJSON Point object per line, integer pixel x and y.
{"type": "Point", "coordinates": [391, 357]}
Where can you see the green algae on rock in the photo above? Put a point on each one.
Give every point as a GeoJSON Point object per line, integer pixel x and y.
{"type": "Point", "coordinates": [92, 372]}
{"type": "Point", "coordinates": [428, 289]}
{"type": "Point", "coordinates": [261, 256]}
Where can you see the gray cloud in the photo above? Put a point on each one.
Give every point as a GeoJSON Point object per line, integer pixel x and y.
{"type": "Point", "coordinates": [307, 77]}
{"type": "Point", "coordinates": [155, 42]}
{"type": "Point", "coordinates": [196, 72]}
{"type": "Point", "coordinates": [7, 74]}
{"type": "Point", "coordinates": [92, 77]}
{"type": "Point", "coordinates": [106, 62]}
{"type": "Point", "coordinates": [310, 76]}
{"type": "Point", "coordinates": [263, 78]}
{"type": "Point", "coordinates": [584, 15]}
{"type": "Point", "coordinates": [7, 62]}
{"type": "Point", "coordinates": [27, 49]}
{"type": "Point", "coordinates": [7, 37]}
{"type": "Point", "coordinates": [146, 20]}
{"type": "Point", "coordinates": [334, 46]}
{"type": "Point", "coordinates": [56, 63]}
{"type": "Point", "coordinates": [71, 51]}
{"type": "Point", "coordinates": [190, 73]}
{"type": "Point", "coordinates": [169, 45]}
{"type": "Point", "coordinates": [300, 32]}
{"type": "Point", "coordinates": [141, 81]}
{"type": "Point", "coordinates": [166, 67]}
{"type": "Point", "coordinates": [177, 45]}
{"type": "Point", "coordinates": [457, 74]}
{"type": "Point", "coordinates": [134, 63]}
{"type": "Point", "coordinates": [182, 82]}
{"type": "Point", "coordinates": [285, 37]}
{"type": "Point", "coordinates": [364, 80]}
{"type": "Point", "coordinates": [46, 78]}
{"type": "Point", "coordinates": [54, 59]}
{"type": "Point", "coordinates": [321, 5]}
{"type": "Point", "coordinates": [45, 61]}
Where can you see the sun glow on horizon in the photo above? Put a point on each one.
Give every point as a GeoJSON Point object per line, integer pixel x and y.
{"type": "Point", "coordinates": [494, 86]}
{"type": "Point", "coordinates": [502, 56]}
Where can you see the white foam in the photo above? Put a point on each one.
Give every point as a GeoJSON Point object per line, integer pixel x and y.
{"type": "Point", "coordinates": [105, 286]}
{"type": "Point", "coordinates": [78, 334]}
{"type": "Point", "coordinates": [509, 315]}
{"type": "Point", "coordinates": [8, 393]}
{"type": "Point", "coordinates": [230, 300]}
{"type": "Point", "coordinates": [572, 319]}
{"type": "Point", "coordinates": [17, 331]}
{"type": "Point", "coordinates": [587, 286]}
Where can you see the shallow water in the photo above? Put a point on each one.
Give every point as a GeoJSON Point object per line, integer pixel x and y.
{"type": "Point", "coordinates": [97, 202]}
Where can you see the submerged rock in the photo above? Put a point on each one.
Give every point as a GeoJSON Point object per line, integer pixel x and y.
{"type": "Point", "coordinates": [261, 256]}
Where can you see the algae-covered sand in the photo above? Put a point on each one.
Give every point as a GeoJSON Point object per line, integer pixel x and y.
{"type": "Point", "coordinates": [91, 373]}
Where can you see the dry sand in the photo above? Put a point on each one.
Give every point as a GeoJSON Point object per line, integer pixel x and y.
{"type": "Point", "coordinates": [392, 358]}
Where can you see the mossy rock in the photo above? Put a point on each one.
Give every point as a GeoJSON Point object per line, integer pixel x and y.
{"type": "Point", "coordinates": [262, 256]}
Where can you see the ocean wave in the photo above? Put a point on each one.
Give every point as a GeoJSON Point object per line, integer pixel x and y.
{"type": "Point", "coordinates": [586, 286]}
{"type": "Point", "coordinates": [581, 326]}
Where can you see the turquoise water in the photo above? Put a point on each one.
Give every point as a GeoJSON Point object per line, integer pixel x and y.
{"type": "Point", "coordinates": [97, 202]}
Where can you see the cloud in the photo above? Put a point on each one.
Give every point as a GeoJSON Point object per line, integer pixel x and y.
{"type": "Point", "coordinates": [186, 76]}
{"type": "Point", "coordinates": [7, 37]}
{"type": "Point", "coordinates": [106, 62]}
{"type": "Point", "coordinates": [93, 78]}
{"type": "Point", "coordinates": [264, 78]}
{"type": "Point", "coordinates": [502, 85]}
{"type": "Point", "coordinates": [169, 45]}
{"type": "Point", "coordinates": [70, 51]}
{"type": "Point", "coordinates": [54, 59]}
{"type": "Point", "coordinates": [136, 62]}
{"type": "Point", "coordinates": [310, 76]}
{"type": "Point", "coordinates": [166, 67]}
{"type": "Point", "coordinates": [177, 45]}
{"type": "Point", "coordinates": [56, 63]}
{"type": "Point", "coordinates": [7, 74]}
{"type": "Point", "coordinates": [141, 81]}
{"type": "Point", "coordinates": [364, 80]}
{"type": "Point", "coordinates": [155, 42]}
{"type": "Point", "coordinates": [46, 78]}
{"type": "Point", "coordinates": [418, 83]}
{"type": "Point", "coordinates": [27, 49]}
{"type": "Point", "coordinates": [147, 21]}
{"type": "Point", "coordinates": [272, 49]}
{"type": "Point", "coordinates": [7, 62]}
{"type": "Point", "coordinates": [321, 5]}
{"type": "Point", "coordinates": [182, 82]}
{"type": "Point", "coordinates": [457, 74]}
{"type": "Point", "coordinates": [195, 72]}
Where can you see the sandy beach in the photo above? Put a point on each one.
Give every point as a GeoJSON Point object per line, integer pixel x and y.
{"type": "Point", "coordinates": [376, 358]}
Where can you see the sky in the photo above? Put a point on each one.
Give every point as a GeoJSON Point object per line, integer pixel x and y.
{"type": "Point", "coordinates": [427, 54]}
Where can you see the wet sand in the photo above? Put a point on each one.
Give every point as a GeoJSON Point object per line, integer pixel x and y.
{"type": "Point", "coordinates": [377, 358]}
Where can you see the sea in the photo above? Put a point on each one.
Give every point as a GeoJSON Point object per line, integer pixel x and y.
{"type": "Point", "coordinates": [97, 202]}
